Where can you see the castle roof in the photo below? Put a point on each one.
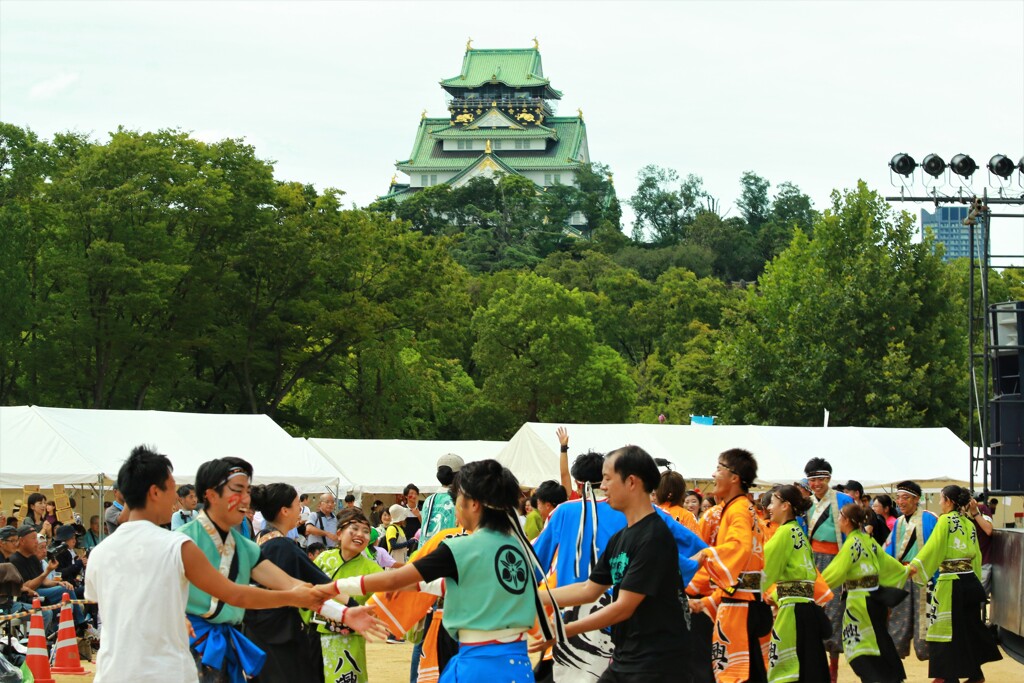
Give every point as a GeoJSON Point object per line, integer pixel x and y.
{"type": "Point", "coordinates": [516, 68]}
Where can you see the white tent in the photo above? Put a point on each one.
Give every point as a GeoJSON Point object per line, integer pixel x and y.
{"type": "Point", "coordinates": [870, 455]}
{"type": "Point", "coordinates": [31, 452]}
{"type": "Point", "coordinates": [388, 465]}
{"type": "Point", "coordinates": [68, 440]}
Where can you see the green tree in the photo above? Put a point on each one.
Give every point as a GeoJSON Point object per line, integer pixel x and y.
{"type": "Point", "coordinates": [859, 319]}
{"type": "Point", "coordinates": [753, 202]}
{"type": "Point", "coordinates": [537, 354]}
{"type": "Point", "coordinates": [663, 209]}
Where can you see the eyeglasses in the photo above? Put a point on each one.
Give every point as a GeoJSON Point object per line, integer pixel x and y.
{"type": "Point", "coordinates": [723, 466]}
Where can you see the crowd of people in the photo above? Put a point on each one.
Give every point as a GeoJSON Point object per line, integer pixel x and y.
{"type": "Point", "coordinates": [617, 572]}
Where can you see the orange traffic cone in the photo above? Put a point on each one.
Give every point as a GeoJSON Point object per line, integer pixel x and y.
{"type": "Point", "coordinates": [65, 656]}
{"type": "Point", "coordinates": [37, 659]}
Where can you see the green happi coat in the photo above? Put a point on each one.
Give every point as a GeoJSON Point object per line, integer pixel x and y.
{"type": "Point", "coordinates": [953, 547]}
{"type": "Point", "coordinates": [344, 651]}
{"type": "Point", "coordinates": [788, 560]}
{"type": "Point", "coordinates": [860, 559]}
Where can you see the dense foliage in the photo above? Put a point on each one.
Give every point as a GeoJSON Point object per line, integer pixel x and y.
{"type": "Point", "coordinates": [156, 271]}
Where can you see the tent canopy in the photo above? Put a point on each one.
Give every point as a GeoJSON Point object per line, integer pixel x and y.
{"type": "Point", "coordinates": [869, 455]}
{"type": "Point", "coordinates": [389, 465]}
{"type": "Point", "coordinates": [62, 445]}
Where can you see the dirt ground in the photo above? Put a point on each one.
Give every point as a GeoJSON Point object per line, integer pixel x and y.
{"type": "Point", "coordinates": [390, 664]}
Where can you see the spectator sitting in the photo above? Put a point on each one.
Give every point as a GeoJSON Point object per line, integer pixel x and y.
{"type": "Point", "coordinates": [36, 578]}
{"type": "Point", "coordinates": [36, 515]}
{"type": "Point", "coordinates": [92, 534]}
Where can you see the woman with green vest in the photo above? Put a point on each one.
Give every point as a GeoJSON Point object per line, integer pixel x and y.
{"type": "Point", "coordinates": [344, 651]}
{"type": "Point", "coordinates": [796, 652]}
{"type": "Point", "coordinates": [489, 581]}
{"type": "Point", "coordinates": [869, 577]}
{"type": "Point", "coordinates": [958, 640]}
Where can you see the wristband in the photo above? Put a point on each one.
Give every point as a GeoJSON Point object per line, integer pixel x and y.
{"type": "Point", "coordinates": [352, 585]}
{"type": "Point", "coordinates": [334, 611]}
{"type": "Point", "coordinates": [565, 448]}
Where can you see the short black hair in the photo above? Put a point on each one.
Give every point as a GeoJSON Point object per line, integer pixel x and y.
{"type": "Point", "coordinates": [315, 547]}
{"type": "Point", "coordinates": [742, 463]}
{"type": "Point", "coordinates": [410, 487]}
{"type": "Point", "coordinates": [911, 486]}
{"type": "Point", "coordinates": [635, 461]}
{"type": "Point", "coordinates": [213, 474]}
{"type": "Point", "coordinates": [303, 497]}
{"type": "Point", "coordinates": [350, 498]}
{"type": "Point", "coordinates": [817, 465]}
{"type": "Point", "coordinates": [143, 468]}
{"type": "Point", "coordinates": [445, 475]}
{"type": "Point", "coordinates": [854, 485]}
{"type": "Point", "coordinates": [587, 467]}
{"type": "Point", "coordinates": [550, 492]}
{"type": "Point", "coordinates": [185, 489]}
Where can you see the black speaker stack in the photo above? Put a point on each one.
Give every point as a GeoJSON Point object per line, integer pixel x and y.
{"type": "Point", "coordinates": [1006, 419]}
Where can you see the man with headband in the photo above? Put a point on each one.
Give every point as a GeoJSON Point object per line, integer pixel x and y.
{"type": "Point", "coordinates": [145, 578]}
{"type": "Point", "coordinates": [221, 652]}
{"type": "Point", "coordinates": [826, 540]}
{"type": "Point", "coordinates": [912, 530]}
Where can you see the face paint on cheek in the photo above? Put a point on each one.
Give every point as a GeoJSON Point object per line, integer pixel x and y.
{"type": "Point", "coordinates": [234, 501]}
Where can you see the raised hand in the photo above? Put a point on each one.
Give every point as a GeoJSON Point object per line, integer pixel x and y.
{"type": "Point", "coordinates": [563, 436]}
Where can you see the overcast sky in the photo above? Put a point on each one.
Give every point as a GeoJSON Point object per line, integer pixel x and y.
{"type": "Point", "coordinates": [817, 93]}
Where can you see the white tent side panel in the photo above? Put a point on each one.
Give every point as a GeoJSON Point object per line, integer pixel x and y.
{"type": "Point", "coordinates": [33, 453]}
{"type": "Point", "coordinates": [388, 465]}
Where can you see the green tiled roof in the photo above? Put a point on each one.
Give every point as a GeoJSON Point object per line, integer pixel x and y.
{"type": "Point", "coordinates": [515, 68]}
{"type": "Point", "coordinates": [564, 154]}
{"type": "Point", "coordinates": [460, 133]}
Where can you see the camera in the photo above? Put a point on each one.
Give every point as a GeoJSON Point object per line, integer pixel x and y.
{"type": "Point", "coordinates": [55, 550]}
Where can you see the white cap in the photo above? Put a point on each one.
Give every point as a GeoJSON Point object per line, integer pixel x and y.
{"type": "Point", "coordinates": [453, 461]}
{"type": "Point", "coordinates": [398, 513]}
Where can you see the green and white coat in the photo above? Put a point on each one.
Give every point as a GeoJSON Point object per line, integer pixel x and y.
{"type": "Point", "coordinates": [344, 651]}
{"type": "Point", "coordinates": [859, 560]}
{"type": "Point", "coordinates": [953, 543]}
{"type": "Point", "coordinates": [788, 560]}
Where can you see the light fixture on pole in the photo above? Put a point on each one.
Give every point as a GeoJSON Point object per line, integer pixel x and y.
{"type": "Point", "coordinates": [933, 165]}
{"type": "Point", "coordinates": [1001, 166]}
{"type": "Point", "coordinates": [903, 164]}
{"type": "Point", "coordinates": [963, 165]}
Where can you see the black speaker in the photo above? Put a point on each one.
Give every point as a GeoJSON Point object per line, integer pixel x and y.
{"type": "Point", "coordinates": [1007, 430]}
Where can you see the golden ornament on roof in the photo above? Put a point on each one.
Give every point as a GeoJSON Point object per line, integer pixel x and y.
{"type": "Point", "coordinates": [580, 113]}
{"type": "Point", "coordinates": [469, 45]}
{"type": "Point", "coordinates": [423, 114]}
{"type": "Point", "coordinates": [394, 179]}
{"type": "Point", "coordinates": [487, 147]}
{"type": "Point", "coordinates": [536, 45]}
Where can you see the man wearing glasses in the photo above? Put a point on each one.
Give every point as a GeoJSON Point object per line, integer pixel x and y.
{"type": "Point", "coordinates": [731, 573]}
{"type": "Point", "coordinates": [826, 539]}
{"type": "Point", "coordinates": [912, 529]}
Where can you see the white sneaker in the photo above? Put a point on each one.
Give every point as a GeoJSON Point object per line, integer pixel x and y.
{"type": "Point", "coordinates": [91, 632]}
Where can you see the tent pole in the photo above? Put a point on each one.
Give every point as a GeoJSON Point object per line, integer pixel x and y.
{"type": "Point", "coordinates": [103, 525]}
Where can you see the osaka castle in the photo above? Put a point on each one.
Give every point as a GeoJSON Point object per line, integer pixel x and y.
{"type": "Point", "coordinates": [500, 120]}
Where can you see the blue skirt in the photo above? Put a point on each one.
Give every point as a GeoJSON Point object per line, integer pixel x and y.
{"type": "Point", "coordinates": [494, 663]}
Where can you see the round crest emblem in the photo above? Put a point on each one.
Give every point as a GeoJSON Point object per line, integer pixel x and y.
{"type": "Point", "coordinates": [511, 569]}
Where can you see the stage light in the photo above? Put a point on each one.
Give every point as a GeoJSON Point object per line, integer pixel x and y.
{"type": "Point", "coordinates": [933, 165]}
{"type": "Point", "coordinates": [1020, 165]}
{"type": "Point", "coordinates": [1001, 166]}
{"type": "Point", "coordinates": [963, 165]}
{"type": "Point", "coordinates": [903, 164]}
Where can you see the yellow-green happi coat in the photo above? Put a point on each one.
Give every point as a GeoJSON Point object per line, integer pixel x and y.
{"type": "Point", "coordinates": [953, 548]}
{"type": "Point", "coordinates": [862, 562]}
{"type": "Point", "coordinates": [789, 564]}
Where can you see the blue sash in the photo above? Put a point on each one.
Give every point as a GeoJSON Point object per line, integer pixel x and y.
{"type": "Point", "coordinates": [243, 658]}
{"type": "Point", "coordinates": [494, 662]}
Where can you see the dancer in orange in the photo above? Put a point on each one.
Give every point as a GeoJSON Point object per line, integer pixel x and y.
{"type": "Point", "coordinates": [734, 564]}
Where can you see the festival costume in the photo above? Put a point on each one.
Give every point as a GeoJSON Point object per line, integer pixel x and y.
{"type": "Point", "coordinates": [908, 619]}
{"type": "Point", "coordinates": [861, 567]}
{"type": "Point", "coordinates": [344, 651]}
{"type": "Point", "coordinates": [742, 621]}
{"type": "Point", "coordinates": [958, 641]}
{"type": "Point", "coordinates": [796, 652]}
{"type": "Point", "coordinates": [823, 522]}
{"type": "Point", "coordinates": [221, 651]}
{"type": "Point", "coordinates": [683, 516]}
{"type": "Point", "coordinates": [701, 624]}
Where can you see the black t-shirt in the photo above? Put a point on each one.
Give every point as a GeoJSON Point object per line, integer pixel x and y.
{"type": "Point", "coordinates": [412, 525]}
{"type": "Point", "coordinates": [636, 560]}
{"type": "Point", "coordinates": [28, 567]}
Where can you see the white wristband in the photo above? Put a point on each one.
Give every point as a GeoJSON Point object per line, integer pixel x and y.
{"type": "Point", "coordinates": [435, 587]}
{"type": "Point", "coordinates": [334, 611]}
{"type": "Point", "coordinates": [352, 585]}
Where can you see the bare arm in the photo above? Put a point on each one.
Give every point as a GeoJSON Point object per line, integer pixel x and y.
{"type": "Point", "coordinates": [563, 459]}
{"type": "Point", "coordinates": [620, 610]}
{"type": "Point", "coordinates": [203, 576]}
{"type": "Point", "coordinates": [984, 524]}
{"type": "Point", "coordinates": [268, 574]}
{"type": "Point", "coordinates": [574, 594]}
{"type": "Point", "coordinates": [393, 580]}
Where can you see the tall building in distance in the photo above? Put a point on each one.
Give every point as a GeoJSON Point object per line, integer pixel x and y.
{"type": "Point", "coordinates": [947, 222]}
{"type": "Point", "coordinates": [501, 119]}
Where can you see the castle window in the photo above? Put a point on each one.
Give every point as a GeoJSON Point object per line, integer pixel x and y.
{"type": "Point", "coordinates": [522, 144]}
{"type": "Point", "coordinates": [465, 144]}
{"type": "Point", "coordinates": [424, 180]}
{"type": "Point", "coordinates": [547, 178]}
{"type": "Point", "coordinates": [496, 144]}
